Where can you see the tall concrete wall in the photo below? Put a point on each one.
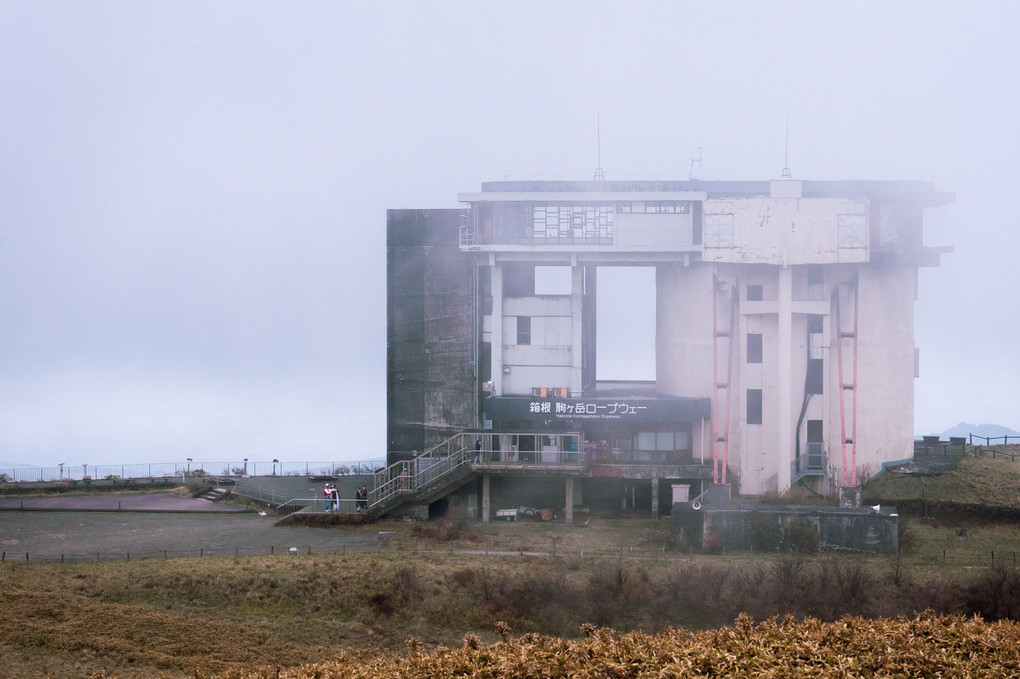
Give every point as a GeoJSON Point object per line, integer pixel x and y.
{"type": "Point", "coordinates": [431, 348]}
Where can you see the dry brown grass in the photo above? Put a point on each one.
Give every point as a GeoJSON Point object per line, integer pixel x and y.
{"type": "Point", "coordinates": [927, 645]}
{"type": "Point", "coordinates": [192, 617]}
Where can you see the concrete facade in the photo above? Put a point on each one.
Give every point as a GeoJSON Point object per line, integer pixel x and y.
{"type": "Point", "coordinates": [783, 332]}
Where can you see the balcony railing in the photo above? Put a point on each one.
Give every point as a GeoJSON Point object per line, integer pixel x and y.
{"type": "Point", "coordinates": [810, 463]}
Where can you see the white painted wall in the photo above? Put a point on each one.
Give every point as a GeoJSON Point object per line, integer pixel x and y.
{"type": "Point", "coordinates": [785, 230]}
{"type": "Point", "coordinates": [653, 231]}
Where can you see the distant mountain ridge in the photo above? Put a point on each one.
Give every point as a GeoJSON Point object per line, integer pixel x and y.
{"type": "Point", "coordinates": [989, 430]}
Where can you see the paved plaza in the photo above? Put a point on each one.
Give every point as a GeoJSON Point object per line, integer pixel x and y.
{"type": "Point", "coordinates": [114, 535]}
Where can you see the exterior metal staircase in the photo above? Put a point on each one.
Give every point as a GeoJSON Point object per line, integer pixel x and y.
{"type": "Point", "coordinates": [420, 479]}
{"type": "Point", "coordinates": [810, 463]}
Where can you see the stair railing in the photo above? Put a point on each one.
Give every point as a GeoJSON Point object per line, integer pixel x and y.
{"type": "Point", "coordinates": [406, 478]}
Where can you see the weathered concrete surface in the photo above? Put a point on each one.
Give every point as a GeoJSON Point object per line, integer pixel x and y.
{"type": "Point", "coordinates": [790, 528]}
{"type": "Point", "coordinates": [148, 502]}
{"type": "Point", "coordinates": [78, 536]}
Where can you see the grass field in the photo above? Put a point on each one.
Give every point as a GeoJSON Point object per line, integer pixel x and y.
{"type": "Point", "coordinates": [448, 584]}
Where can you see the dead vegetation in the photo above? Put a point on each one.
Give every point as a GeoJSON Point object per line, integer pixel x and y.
{"type": "Point", "coordinates": [192, 617]}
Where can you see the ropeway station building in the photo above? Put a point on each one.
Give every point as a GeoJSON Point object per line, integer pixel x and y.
{"type": "Point", "coordinates": [784, 341]}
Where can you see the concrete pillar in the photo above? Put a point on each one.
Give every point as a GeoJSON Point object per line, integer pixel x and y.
{"type": "Point", "coordinates": [681, 492]}
{"type": "Point", "coordinates": [655, 495]}
{"type": "Point", "coordinates": [497, 328]}
{"type": "Point", "coordinates": [784, 416]}
{"type": "Point", "coordinates": [486, 497]}
{"type": "Point", "coordinates": [576, 326]}
{"type": "Point", "coordinates": [568, 510]}
{"type": "Point", "coordinates": [472, 509]}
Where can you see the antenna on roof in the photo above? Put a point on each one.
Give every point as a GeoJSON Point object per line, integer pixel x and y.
{"type": "Point", "coordinates": [786, 159]}
{"type": "Point", "coordinates": [696, 176]}
{"type": "Point", "coordinates": [599, 176]}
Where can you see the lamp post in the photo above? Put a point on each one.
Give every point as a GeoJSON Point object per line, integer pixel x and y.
{"type": "Point", "coordinates": [189, 465]}
{"type": "Point", "coordinates": [275, 461]}
{"type": "Point", "coordinates": [246, 466]}
{"type": "Point", "coordinates": [61, 471]}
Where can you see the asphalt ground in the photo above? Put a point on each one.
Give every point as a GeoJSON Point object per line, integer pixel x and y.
{"type": "Point", "coordinates": [145, 502]}
{"type": "Point", "coordinates": [119, 535]}
{"type": "Point", "coordinates": [282, 488]}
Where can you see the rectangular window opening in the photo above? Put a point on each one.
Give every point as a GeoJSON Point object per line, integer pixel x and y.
{"type": "Point", "coordinates": [754, 415]}
{"type": "Point", "coordinates": [754, 347]}
{"type": "Point", "coordinates": [524, 330]}
{"type": "Point", "coordinates": [625, 329]}
{"type": "Point", "coordinates": [755, 293]}
{"type": "Point", "coordinates": [814, 376]}
{"type": "Point", "coordinates": [552, 280]}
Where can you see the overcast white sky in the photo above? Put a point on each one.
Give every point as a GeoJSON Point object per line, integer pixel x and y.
{"type": "Point", "coordinates": [193, 194]}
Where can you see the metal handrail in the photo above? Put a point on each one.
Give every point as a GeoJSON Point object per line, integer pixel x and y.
{"type": "Point", "coordinates": [321, 505]}
{"type": "Point", "coordinates": [812, 460]}
{"type": "Point", "coordinates": [415, 477]}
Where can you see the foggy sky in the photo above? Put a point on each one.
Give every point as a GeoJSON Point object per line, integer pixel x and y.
{"type": "Point", "coordinates": [193, 195]}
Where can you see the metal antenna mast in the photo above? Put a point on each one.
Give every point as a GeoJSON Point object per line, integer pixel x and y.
{"type": "Point", "coordinates": [786, 158]}
{"type": "Point", "coordinates": [599, 176]}
{"type": "Point", "coordinates": [695, 176]}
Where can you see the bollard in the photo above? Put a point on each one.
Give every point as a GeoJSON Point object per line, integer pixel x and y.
{"type": "Point", "coordinates": [270, 550]}
{"type": "Point", "coordinates": [309, 550]}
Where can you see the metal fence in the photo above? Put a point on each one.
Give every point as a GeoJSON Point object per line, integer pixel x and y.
{"type": "Point", "coordinates": [39, 557]}
{"type": "Point", "coordinates": [189, 469]}
{"type": "Point", "coordinates": [992, 440]}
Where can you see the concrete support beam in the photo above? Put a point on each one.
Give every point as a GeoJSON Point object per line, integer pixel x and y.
{"type": "Point", "coordinates": [655, 495]}
{"type": "Point", "coordinates": [784, 392]}
{"type": "Point", "coordinates": [497, 329]}
{"type": "Point", "coordinates": [576, 327]}
{"type": "Point", "coordinates": [569, 508]}
{"type": "Point", "coordinates": [486, 497]}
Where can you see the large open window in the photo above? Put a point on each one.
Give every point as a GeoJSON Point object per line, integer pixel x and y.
{"type": "Point", "coordinates": [552, 280]}
{"type": "Point", "coordinates": [626, 323]}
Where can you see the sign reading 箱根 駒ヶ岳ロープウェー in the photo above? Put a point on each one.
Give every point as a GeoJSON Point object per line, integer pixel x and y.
{"type": "Point", "coordinates": [620, 409]}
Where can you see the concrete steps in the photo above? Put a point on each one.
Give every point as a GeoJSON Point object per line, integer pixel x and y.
{"type": "Point", "coordinates": [214, 494]}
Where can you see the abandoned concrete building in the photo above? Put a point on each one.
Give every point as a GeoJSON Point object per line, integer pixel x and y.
{"type": "Point", "coordinates": [784, 342]}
